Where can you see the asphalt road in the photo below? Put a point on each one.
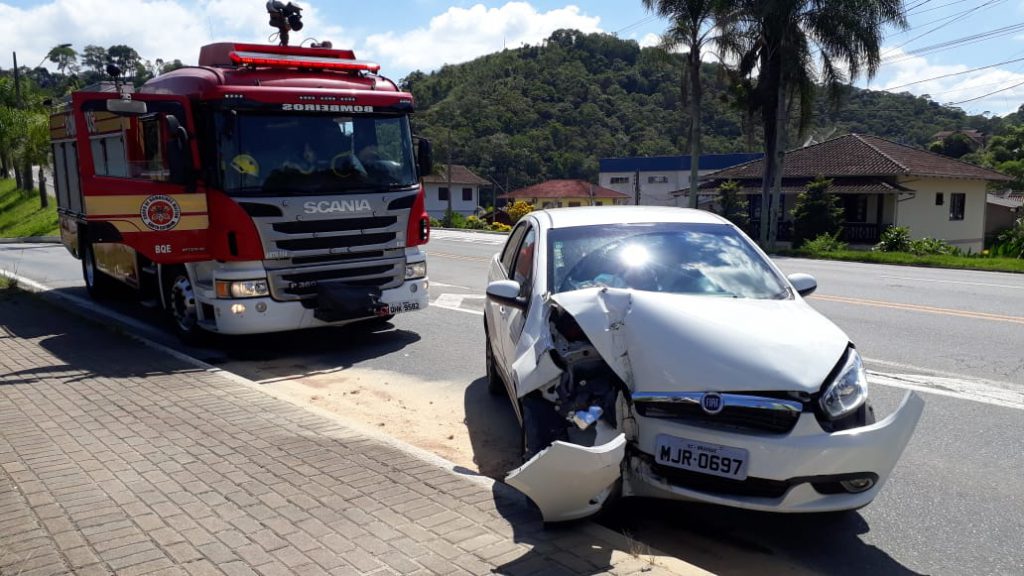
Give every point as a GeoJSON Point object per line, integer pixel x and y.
{"type": "Point", "coordinates": [954, 505]}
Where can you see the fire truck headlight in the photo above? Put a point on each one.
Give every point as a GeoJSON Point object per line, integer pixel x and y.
{"type": "Point", "coordinates": [227, 289]}
{"type": "Point", "coordinates": [415, 271]}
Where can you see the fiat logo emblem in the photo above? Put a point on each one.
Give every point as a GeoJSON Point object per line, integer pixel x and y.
{"type": "Point", "coordinates": [711, 403]}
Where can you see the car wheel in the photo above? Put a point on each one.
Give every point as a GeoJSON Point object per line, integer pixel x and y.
{"type": "Point", "coordinates": [183, 307]}
{"type": "Point", "coordinates": [494, 383]}
{"type": "Point", "coordinates": [98, 284]}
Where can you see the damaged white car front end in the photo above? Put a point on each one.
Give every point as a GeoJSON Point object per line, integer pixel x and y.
{"type": "Point", "coordinates": [755, 403]}
{"type": "Point", "coordinates": [764, 447]}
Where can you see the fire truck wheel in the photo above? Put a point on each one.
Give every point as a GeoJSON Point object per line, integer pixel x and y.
{"type": "Point", "coordinates": [182, 306]}
{"type": "Point", "coordinates": [98, 284]}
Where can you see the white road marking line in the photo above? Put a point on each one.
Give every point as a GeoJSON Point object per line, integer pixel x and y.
{"type": "Point", "coordinates": [454, 302]}
{"type": "Point", "coordinates": [443, 285]}
{"type": "Point", "coordinates": [954, 388]}
{"type": "Point", "coordinates": [934, 281]}
{"type": "Point", "coordinates": [473, 238]}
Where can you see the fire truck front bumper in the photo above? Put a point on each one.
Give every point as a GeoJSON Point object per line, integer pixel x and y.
{"type": "Point", "coordinates": [261, 315]}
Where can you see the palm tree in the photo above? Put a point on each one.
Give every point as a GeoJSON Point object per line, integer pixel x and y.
{"type": "Point", "coordinates": [783, 38]}
{"type": "Point", "coordinates": [692, 23]}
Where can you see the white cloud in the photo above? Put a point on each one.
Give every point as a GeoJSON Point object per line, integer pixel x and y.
{"type": "Point", "coordinates": [903, 69]}
{"type": "Point", "coordinates": [461, 34]}
{"type": "Point", "coordinates": [165, 29]}
{"type": "Point", "coordinates": [650, 39]}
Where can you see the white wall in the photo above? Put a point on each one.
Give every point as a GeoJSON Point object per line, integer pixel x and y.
{"type": "Point", "coordinates": [437, 208]}
{"type": "Point", "coordinates": [919, 212]}
{"type": "Point", "coordinates": [654, 193]}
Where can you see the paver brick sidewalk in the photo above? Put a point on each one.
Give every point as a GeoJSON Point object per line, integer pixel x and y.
{"type": "Point", "coordinates": [118, 458]}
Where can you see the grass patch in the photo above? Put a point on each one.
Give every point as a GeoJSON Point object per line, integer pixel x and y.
{"type": "Point", "coordinates": [904, 259]}
{"type": "Point", "coordinates": [21, 216]}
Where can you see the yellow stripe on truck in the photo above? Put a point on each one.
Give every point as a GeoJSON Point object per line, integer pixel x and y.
{"type": "Point", "coordinates": [99, 206]}
{"type": "Point", "coordinates": [186, 224]}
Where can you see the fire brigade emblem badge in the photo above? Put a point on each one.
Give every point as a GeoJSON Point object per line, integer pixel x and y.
{"type": "Point", "coordinates": [160, 213]}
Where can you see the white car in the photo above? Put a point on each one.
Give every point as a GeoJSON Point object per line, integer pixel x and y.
{"type": "Point", "coordinates": [658, 352]}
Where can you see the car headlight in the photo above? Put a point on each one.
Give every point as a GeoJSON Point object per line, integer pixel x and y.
{"type": "Point", "coordinates": [227, 289]}
{"type": "Point", "coordinates": [415, 270]}
{"type": "Point", "coordinates": [848, 391]}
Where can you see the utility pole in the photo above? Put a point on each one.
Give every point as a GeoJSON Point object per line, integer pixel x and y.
{"type": "Point", "coordinates": [19, 167]}
{"type": "Point", "coordinates": [449, 171]}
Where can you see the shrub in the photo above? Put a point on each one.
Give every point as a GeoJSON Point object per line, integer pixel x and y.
{"type": "Point", "coordinates": [928, 246]}
{"type": "Point", "coordinates": [734, 207]}
{"type": "Point", "coordinates": [518, 210]}
{"type": "Point", "coordinates": [1010, 242]}
{"type": "Point", "coordinates": [453, 220]}
{"type": "Point", "coordinates": [825, 243]}
{"type": "Point", "coordinates": [894, 239]}
{"type": "Point", "coordinates": [499, 227]}
{"type": "Point", "coordinates": [435, 223]}
{"type": "Point", "coordinates": [816, 212]}
{"type": "Point", "coordinates": [474, 223]}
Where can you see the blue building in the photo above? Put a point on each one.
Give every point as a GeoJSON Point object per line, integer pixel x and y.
{"type": "Point", "coordinates": [653, 180]}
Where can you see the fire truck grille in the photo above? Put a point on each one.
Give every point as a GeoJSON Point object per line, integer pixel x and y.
{"type": "Point", "coordinates": [304, 253]}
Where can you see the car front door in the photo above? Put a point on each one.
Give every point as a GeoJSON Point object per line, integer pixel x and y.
{"type": "Point", "coordinates": [506, 323]}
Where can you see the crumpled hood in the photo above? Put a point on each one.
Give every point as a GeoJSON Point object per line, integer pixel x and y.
{"type": "Point", "coordinates": [659, 342]}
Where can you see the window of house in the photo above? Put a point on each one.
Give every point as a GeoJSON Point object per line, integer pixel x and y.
{"type": "Point", "coordinates": [957, 203]}
{"type": "Point", "coordinates": [573, 204]}
{"type": "Point", "coordinates": [620, 179]}
{"type": "Point", "coordinates": [467, 194]}
{"type": "Point", "coordinates": [939, 198]}
{"type": "Point", "coordinates": [855, 207]}
{"type": "Point", "coordinates": [657, 179]}
{"type": "Point", "coordinates": [442, 194]}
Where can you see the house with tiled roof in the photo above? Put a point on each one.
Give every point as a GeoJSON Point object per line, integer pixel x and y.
{"type": "Point", "coordinates": [464, 188]}
{"type": "Point", "coordinates": [567, 193]}
{"type": "Point", "coordinates": [880, 183]}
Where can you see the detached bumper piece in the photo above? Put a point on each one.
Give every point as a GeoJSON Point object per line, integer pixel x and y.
{"type": "Point", "coordinates": [567, 481]}
{"type": "Point", "coordinates": [337, 302]}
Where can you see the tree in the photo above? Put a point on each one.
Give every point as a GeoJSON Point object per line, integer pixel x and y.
{"type": "Point", "coordinates": [692, 23]}
{"type": "Point", "coordinates": [65, 57]}
{"type": "Point", "coordinates": [816, 212]}
{"type": "Point", "coordinates": [781, 38]}
{"type": "Point", "coordinates": [733, 206]}
{"type": "Point", "coordinates": [95, 58]}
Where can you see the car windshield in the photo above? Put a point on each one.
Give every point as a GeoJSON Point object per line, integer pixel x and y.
{"type": "Point", "coordinates": [302, 155]}
{"type": "Point", "coordinates": [703, 259]}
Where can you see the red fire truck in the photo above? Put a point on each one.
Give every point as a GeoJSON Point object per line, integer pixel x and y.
{"type": "Point", "coordinates": [269, 188]}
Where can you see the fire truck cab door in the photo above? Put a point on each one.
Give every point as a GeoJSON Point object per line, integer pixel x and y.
{"type": "Point", "coordinates": [139, 164]}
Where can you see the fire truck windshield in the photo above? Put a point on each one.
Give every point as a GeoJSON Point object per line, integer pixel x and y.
{"type": "Point", "coordinates": [301, 155]}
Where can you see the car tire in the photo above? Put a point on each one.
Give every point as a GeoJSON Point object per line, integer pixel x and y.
{"type": "Point", "coordinates": [182, 307]}
{"type": "Point", "coordinates": [495, 385]}
{"type": "Point", "coordinates": [97, 284]}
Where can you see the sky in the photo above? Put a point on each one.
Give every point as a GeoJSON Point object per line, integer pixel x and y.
{"type": "Point", "coordinates": [426, 34]}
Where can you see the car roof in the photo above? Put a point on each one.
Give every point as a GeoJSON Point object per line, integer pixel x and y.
{"type": "Point", "coordinates": [605, 215]}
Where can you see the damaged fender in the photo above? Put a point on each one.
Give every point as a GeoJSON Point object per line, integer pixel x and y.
{"type": "Point", "coordinates": [568, 481]}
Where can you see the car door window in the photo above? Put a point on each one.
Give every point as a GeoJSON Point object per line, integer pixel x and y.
{"type": "Point", "coordinates": [522, 268]}
{"type": "Point", "coordinates": [511, 249]}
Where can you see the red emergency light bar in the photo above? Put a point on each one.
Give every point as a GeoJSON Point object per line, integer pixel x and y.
{"type": "Point", "coordinates": [302, 61]}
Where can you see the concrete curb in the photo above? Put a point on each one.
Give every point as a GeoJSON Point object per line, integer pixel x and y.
{"type": "Point", "coordinates": [32, 240]}
{"type": "Point", "coordinates": [80, 305]}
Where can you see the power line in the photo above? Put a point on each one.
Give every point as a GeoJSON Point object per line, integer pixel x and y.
{"type": "Point", "coordinates": [1017, 85]}
{"type": "Point", "coordinates": [950, 19]}
{"type": "Point", "coordinates": [950, 75]}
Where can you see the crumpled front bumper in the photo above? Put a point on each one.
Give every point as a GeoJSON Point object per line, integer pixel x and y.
{"type": "Point", "coordinates": [800, 457]}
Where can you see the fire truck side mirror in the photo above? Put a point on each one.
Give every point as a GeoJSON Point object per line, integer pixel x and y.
{"type": "Point", "coordinates": [181, 154]}
{"type": "Point", "coordinates": [126, 107]}
{"type": "Point", "coordinates": [424, 157]}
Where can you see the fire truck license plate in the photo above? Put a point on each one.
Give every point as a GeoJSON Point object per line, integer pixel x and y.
{"type": "Point", "coordinates": [389, 309]}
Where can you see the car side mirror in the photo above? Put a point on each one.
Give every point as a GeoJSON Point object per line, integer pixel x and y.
{"type": "Point", "coordinates": [506, 293]}
{"type": "Point", "coordinates": [123, 107]}
{"type": "Point", "coordinates": [805, 284]}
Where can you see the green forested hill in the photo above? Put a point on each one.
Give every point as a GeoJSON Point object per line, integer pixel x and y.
{"type": "Point", "coordinates": [538, 112]}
